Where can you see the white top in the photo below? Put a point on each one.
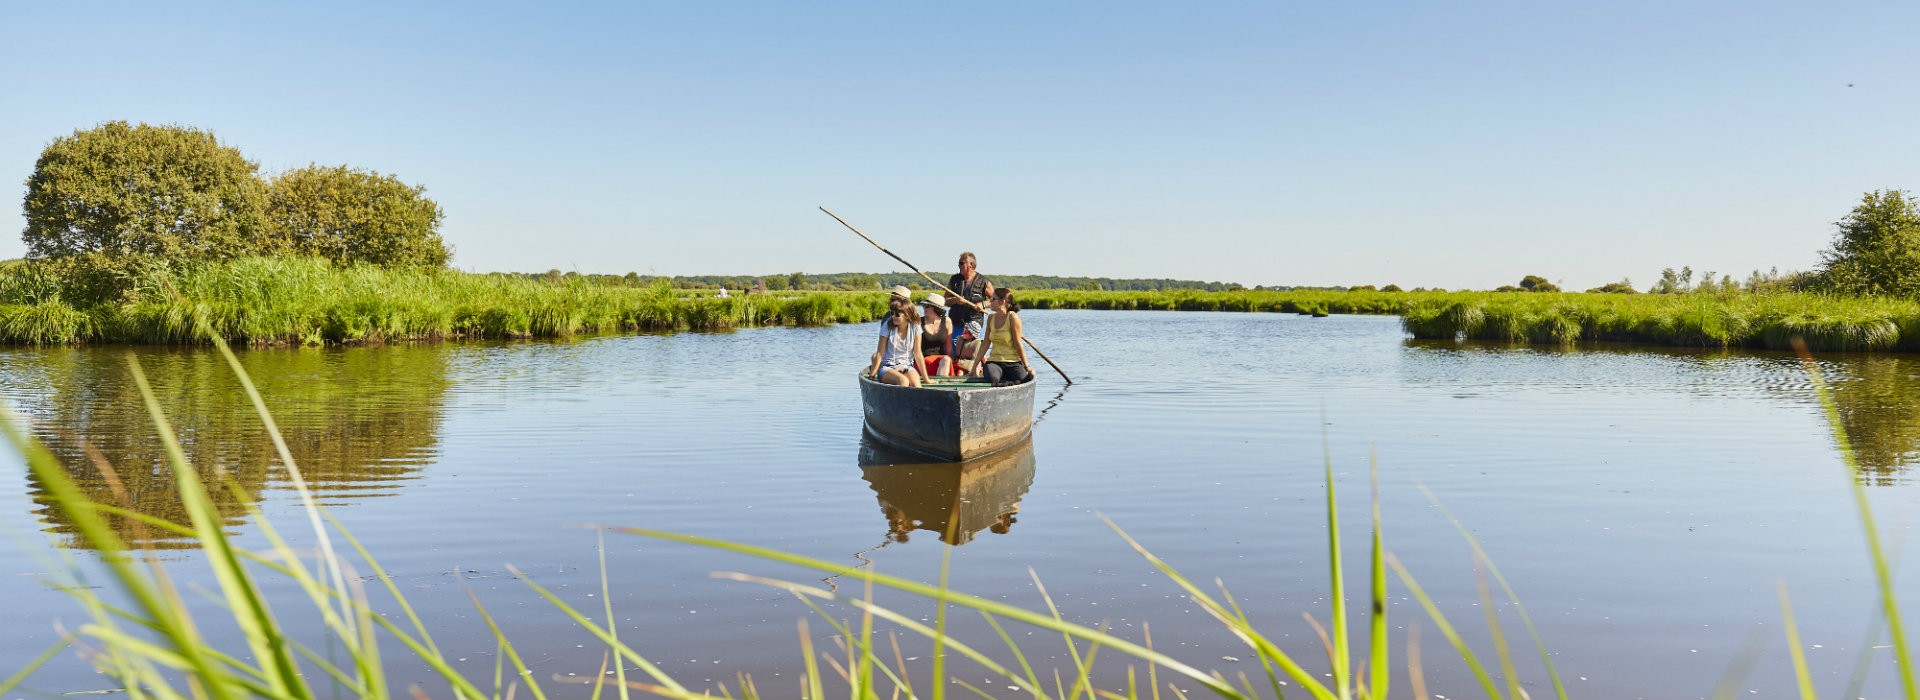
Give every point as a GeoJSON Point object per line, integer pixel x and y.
{"type": "Point", "coordinates": [899, 351]}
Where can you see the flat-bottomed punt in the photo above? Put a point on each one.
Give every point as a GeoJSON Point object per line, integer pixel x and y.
{"type": "Point", "coordinates": [951, 418]}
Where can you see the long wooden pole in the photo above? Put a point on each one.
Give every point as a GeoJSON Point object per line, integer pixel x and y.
{"type": "Point", "coordinates": [950, 292]}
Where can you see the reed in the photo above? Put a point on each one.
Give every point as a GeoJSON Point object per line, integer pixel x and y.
{"type": "Point", "coordinates": [1737, 320]}
{"type": "Point", "coordinates": [300, 301]}
{"type": "Point", "coordinates": [1726, 319]}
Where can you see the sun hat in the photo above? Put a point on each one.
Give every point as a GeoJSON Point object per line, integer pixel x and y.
{"type": "Point", "coordinates": [935, 300]}
{"type": "Point", "coordinates": [900, 290]}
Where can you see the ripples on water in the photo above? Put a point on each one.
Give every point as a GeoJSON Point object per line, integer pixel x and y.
{"type": "Point", "coordinates": [1643, 501]}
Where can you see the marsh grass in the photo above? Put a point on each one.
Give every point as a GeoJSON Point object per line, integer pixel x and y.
{"type": "Point", "coordinates": [141, 635]}
{"type": "Point", "coordinates": [1736, 319]}
{"type": "Point", "coordinates": [300, 301]}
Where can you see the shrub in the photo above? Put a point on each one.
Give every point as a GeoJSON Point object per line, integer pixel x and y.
{"type": "Point", "coordinates": [121, 191]}
{"type": "Point", "coordinates": [353, 216]}
{"type": "Point", "coordinates": [1536, 283]}
{"type": "Point", "coordinates": [1876, 249]}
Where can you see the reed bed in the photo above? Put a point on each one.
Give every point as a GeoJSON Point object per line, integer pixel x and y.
{"type": "Point", "coordinates": [295, 301]}
{"type": "Point", "coordinates": [1292, 301]}
{"type": "Point", "coordinates": [1729, 320]}
{"type": "Point", "coordinates": [274, 301]}
{"type": "Point", "coordinates": [1725, 320]}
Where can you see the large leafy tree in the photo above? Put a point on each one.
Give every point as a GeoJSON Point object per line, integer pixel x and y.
{"type": "Point", "coordinates": [121, 191]}
{"type": "Point", "coordinates": [1876, 249]}
{"type": "Point", "coordinates": [355, 216]}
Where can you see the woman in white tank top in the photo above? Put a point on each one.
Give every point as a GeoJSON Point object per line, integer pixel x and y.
{"type": "Point", "coordinates": [898, 360]}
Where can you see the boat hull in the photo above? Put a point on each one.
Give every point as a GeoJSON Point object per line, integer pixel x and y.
{"type": "Point", "coordinates": [947, 423]}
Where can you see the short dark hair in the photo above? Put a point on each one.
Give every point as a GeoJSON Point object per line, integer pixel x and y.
{"type": "Point", "coordinates": [967, 257]}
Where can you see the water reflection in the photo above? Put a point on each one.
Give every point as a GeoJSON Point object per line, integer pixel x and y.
{"type": "Point", "coordinates": [1875, 394]}
{"type": "Point", "coordinates": [953, 500]}
{"type": "Point", "coordinates": [358, 421]}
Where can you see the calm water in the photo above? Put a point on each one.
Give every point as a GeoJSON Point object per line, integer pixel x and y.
{"type": "Point", "coordinates": [1643, 502]}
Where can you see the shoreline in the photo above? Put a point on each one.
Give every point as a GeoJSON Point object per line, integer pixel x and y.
{"type": "Point", "coordinates": [269, 302]}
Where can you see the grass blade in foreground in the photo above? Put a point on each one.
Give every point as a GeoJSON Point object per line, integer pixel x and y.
{"type": "Point", "coordinates": [1338, 652]}
{"type": "Point", "coordinates": [250, 609]}
{"type": "Point", "coordinates": [1480, 553]}
{"type": "Point", "coordinates": [1800, 673]}
{"type": "Point", "coordinates": [976, 603]}
{"type": "Point", "coordinates": [1440, 620]}
{"type": "Point", "coordinates": [1882, 571]}
{"type": "Point", "coordinates": [1378, 687]}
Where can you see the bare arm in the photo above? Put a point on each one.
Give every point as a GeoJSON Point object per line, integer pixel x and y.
{"type": "Point", "coordinates": [873, 370]}
{"type": "Point", "coordinates": [1019, 335]}
{"type": "Point", "coordinates": [979, 353]}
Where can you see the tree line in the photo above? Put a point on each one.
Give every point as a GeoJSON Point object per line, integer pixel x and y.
{"type": "Point", "coordinates": [868, 281]}
{"type": "Point", "coordinates": [1875, 251]}
{"type": "Point", "coordinates": [107, 205]}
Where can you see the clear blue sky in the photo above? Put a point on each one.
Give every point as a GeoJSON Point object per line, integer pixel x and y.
{"type": "Point", "coordinates": [1448, 144]}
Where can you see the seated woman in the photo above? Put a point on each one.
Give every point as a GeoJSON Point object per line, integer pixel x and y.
{"type": "Point", "coordinates": [936, 337]}
{"type": "Point", "coordinates": [898, 359]}
{"type": "Point", "coordinates": [1000, 356]}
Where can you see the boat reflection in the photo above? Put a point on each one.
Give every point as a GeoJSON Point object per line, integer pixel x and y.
{"type": "Point", "coordinates": [953, 500]}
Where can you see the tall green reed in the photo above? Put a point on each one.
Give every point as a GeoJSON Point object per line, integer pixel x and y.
{"type": "Point", "coordinates": [301, 301]}
{"type": "Point", "coordinates": [271, 301]}
{"type": "Point", "coordinates": [1882, 569]}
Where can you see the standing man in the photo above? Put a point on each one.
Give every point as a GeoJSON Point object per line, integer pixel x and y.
{"type": "Point", "coordinates": [966, 309]}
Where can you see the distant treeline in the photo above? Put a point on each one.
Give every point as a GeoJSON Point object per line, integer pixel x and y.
{"type": "Point", "coordinates": [866, 281]}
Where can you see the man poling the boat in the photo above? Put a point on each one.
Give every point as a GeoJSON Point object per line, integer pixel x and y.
{"type": "Point", "coordinates": [972, 290]}
{"type": "Point", "coordinates": [951, 294]}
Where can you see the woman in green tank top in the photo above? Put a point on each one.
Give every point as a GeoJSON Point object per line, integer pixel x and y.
{"type": "Point", "coordinates": [1001, 357]}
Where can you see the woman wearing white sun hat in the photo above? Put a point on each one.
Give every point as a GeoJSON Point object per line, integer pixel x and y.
{"type": "Point", "coordinates": [936, 336]}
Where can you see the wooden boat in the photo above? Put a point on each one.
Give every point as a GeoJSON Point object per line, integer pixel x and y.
{"type": "Point", "coordinates": [953, 500]}
{"type": "Point", "coordinates": [951, 418]}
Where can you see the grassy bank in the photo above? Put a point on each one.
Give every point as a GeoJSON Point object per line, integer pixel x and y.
{"type": "Point", "coordinates": [305, 301]}
{"type": "Point", "coordinates": [1736, 319]}
{"type": "Point", "coordinates": [302, 301]}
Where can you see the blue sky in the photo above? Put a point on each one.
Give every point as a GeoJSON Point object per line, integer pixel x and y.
{"type": "Point", "coordinates": [1449, 144]}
